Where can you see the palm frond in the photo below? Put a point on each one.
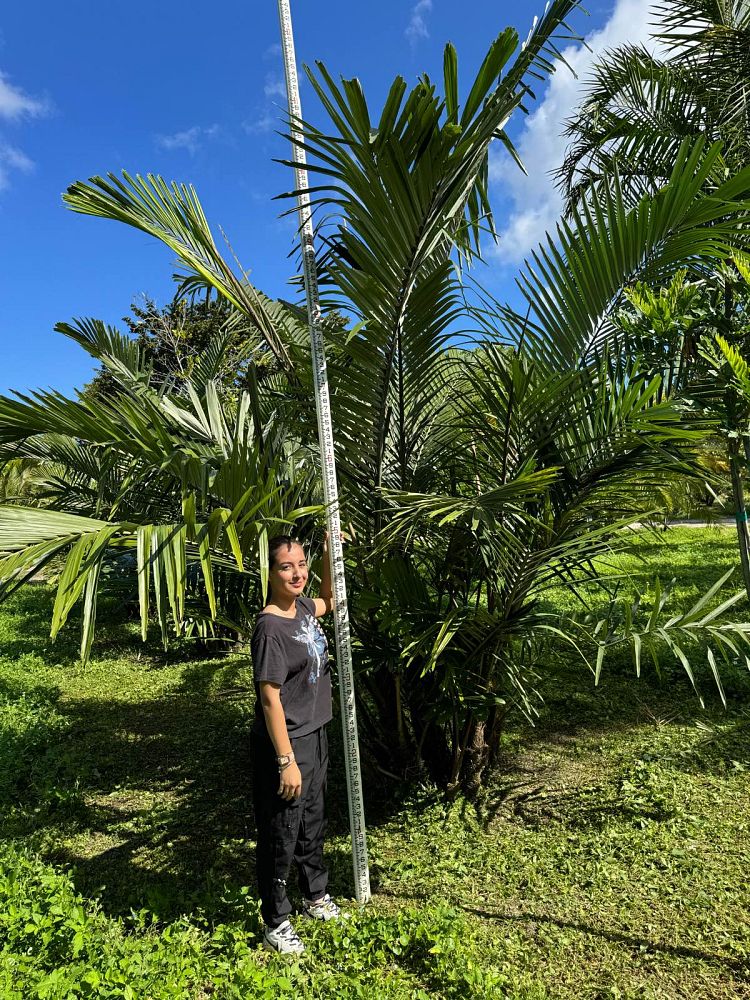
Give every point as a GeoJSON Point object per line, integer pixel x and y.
{"type": "Point", "coordinates": [571, 285]}
{"type": "Point", "coordinates": [411, 185]}
{"type": "Point", "coordinates": [173, 214]}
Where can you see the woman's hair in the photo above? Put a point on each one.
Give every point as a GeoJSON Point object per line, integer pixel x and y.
{"type": "Point", "coordinates": [280, 542]}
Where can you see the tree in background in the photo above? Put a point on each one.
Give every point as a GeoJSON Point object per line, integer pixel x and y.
{"type": "Point", "coordinates": [639, 107]}
{"type": "Point", "coordinates": [664, 327]}
{"type": "Point", "coordinates": [638, 110]}
{"type": "Point", "coordinates": [172, 339]}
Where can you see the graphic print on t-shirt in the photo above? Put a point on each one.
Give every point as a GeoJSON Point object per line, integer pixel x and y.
{"type": "Point", "coordinates": [312, 635]}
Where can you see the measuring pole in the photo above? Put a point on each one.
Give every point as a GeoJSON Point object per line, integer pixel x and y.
{"type": "Point", "coordinates": [330, 488]}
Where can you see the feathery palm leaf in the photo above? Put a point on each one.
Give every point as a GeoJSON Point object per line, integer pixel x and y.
{"type": "Point", "coordinates": [173, 214]}
{"type": "Point", "coordinates": [639, 106]}
{"type": "Point", "coordinates": [411, 185]}
{"type": "Point", "coordinates": [176, 477]}
{"type": "Point", "coordinates": [571, 286]}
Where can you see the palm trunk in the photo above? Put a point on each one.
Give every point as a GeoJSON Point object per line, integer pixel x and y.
{"type": "Point", "coordinates": [475, 761]}
{"type": "Point", "coordinates": [495, 727]}
{"type": "Point", "coordinates": [254, 394]}
{"type": "Point", "coordinates": [738, 492]}
{"type": "Point", "coordinates": [400, 728]}
{"type": "Point", "coordinates": [734, 420]}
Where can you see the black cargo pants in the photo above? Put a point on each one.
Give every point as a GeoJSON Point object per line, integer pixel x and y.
{"type": "Point", "coordinates": [289, 831]}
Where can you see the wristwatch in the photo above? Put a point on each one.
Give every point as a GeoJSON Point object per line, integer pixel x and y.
{"type": "Point", "coordinates": [284, 760]}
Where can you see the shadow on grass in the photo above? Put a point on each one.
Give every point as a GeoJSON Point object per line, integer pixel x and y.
{"type": "Point", "coordinates": [634, 942]}
{"type": "Point", "coordinates": [725, 747]}
{"type": "Point", "coordinates": [150, 801]}
{"type": "Point", "coordinates": [594, 749]}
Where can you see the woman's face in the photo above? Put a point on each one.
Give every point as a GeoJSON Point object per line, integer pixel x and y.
{"type": "Point", "coordinates": [288, 575]}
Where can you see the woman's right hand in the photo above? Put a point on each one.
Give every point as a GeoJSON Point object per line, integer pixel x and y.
{"type": "Point", "coordinates": [290, 782]}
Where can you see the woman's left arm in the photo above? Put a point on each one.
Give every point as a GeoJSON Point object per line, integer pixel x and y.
{"type": "Point", "coordinates": [324, 603]}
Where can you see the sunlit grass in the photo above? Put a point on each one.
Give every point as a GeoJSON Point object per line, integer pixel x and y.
{"type": "Point", "coordinates": [607, 857]}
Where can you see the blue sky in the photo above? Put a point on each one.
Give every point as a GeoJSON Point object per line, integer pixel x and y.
{"type": "Point", "coordinates": [193, 93]}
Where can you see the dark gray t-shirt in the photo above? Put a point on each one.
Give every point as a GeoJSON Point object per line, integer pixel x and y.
{"type": "Point", "coordinates": [293, 652]}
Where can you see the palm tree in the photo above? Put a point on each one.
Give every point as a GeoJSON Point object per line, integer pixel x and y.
{"type": "Point", "coordinates": [637, 110]}
{"type": "Point", "coordinates": [218, 465]}
{"type": "Point", "coordinates": [472, 478]}
{"type": "Point", "coordinates": [176, 474]}
{"type": "Point", "coordinates": [571, 442]}
{"type": "Point", "coordinates": [639, 107]}
{"type": "Point", "coordinates": [384, 184]}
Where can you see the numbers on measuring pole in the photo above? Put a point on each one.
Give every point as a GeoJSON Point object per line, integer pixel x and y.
{"type": "Point", "coordinates": [328, 463]}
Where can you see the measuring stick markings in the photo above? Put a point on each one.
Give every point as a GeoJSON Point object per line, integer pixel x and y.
{"type": "Point", "coordinates": [330, 487]}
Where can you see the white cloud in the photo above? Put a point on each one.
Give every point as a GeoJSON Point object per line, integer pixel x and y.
{"type": "Point", "coordinates": [417, 26]}
{"type": "Point", "coordinates": [535, 202]}
{"type": "Point", "coordinates": [15, 103]}
{"type": "Point", "coordinates": [12, 158]}
{"type": "Point", "coordinates": [265, 122]}
{"type": "Point", "coordinates": [274, 86]}
{"type": "Point", "coordinates": [190, 139]}
{"type": "Point", "coordinates": [267, 114]}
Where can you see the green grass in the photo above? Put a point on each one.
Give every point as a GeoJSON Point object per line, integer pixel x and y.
{"type": "Point", "coordinates": [607, 858]}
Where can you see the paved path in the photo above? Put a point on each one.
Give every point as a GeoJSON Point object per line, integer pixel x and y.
{"type": "Point", "coordinates": [722, 522]}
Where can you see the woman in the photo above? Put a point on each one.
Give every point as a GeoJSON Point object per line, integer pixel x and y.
{"type": "Point", "coordinates": [290, 747]}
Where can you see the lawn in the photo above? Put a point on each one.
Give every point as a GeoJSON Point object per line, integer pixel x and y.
{"type": "Point", "coordinates": [607, 858]}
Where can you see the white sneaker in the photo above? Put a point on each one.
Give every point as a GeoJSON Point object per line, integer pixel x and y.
{"type": "Point", "coordinates": [283, 939]}
{"type": "Point", "coordinates": [324, 909]}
